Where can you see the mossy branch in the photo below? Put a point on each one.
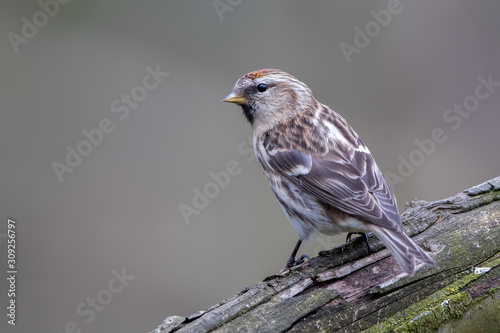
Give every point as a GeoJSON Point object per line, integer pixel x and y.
{"type": "Point", "coordinates": [349, 291]}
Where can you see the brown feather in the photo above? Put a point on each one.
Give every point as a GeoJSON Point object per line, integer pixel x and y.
{"type": "Point", "coordinates": [323, 175]}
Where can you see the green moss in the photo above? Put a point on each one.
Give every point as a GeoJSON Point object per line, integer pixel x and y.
{"type": "Point", "coordinates": [430, 313]}
{"type": "Point", "coordinates": [279, 313]}
{"type": "Point", "coordinates": [484, 316]}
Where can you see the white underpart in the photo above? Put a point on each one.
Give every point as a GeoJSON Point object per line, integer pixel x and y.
{"type": "Point", "coordinates": [352, 224]}
{"type": "Point", "coordinates": [315, 219]}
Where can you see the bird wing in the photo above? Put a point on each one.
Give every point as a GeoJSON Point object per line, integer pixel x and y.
{"type": "Point", "coordinates": [345, 178]}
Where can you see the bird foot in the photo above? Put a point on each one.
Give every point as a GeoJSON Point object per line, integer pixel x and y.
{"type": "Point", "coordinates": [291, 263]}
{"type": "Point", "coordinates": [349, 236]}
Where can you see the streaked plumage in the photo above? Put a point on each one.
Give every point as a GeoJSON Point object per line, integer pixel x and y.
{"type": "Point", "coordinates": [323, 175]}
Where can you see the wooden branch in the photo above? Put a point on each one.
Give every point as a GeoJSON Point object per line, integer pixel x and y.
{"type": "Point", "coordinates": [349, 291]}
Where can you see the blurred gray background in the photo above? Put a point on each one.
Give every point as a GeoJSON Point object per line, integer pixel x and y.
{"type": "Point", "coordinates": [119, 208]}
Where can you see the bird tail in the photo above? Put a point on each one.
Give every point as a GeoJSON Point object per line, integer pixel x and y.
{"type": "Point", "coordinates": [404, 249]}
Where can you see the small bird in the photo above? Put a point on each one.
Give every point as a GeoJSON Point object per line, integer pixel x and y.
{"type": "Point", "coordinates": [322, 174]}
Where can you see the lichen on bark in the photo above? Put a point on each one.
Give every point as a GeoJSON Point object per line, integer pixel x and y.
{"type": "Point", "coordinates": [349, 291]}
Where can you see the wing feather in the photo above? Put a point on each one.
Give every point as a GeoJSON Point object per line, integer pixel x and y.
{"type": "Point", "coordinates": [291, 162]}
{"type": "Point", "coordinates": [348, 180]}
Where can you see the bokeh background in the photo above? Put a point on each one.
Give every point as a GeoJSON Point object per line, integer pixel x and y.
{"type": "Point", "coordinates": [119, 209]}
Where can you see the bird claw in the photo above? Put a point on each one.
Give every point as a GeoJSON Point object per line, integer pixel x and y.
{"type": "Point", "coordinates": [292, 263]}
{"type": "Point", "coordinates": [300, 261]}
{"type": "Point", "coordinates": [349, 236]}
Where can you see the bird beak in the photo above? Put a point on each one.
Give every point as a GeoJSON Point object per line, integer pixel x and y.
{"type": "Point", "coordinates": [237, 98]}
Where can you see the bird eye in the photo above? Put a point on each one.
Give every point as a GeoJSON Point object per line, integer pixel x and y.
{"type": "Point", "coordinates": [261, 87]}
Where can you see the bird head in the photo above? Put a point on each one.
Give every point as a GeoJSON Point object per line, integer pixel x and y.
{"type": "Point", "coordinates": [268, 96]}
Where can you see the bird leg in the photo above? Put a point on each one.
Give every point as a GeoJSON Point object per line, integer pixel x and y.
{"type": "Point", "coordinates": [292, 262]}
{"type": "Point", "coordinates": [349, 235]}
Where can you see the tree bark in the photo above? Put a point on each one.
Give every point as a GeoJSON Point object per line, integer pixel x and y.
{"type": "Point", "coordinates": [348, 290]}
